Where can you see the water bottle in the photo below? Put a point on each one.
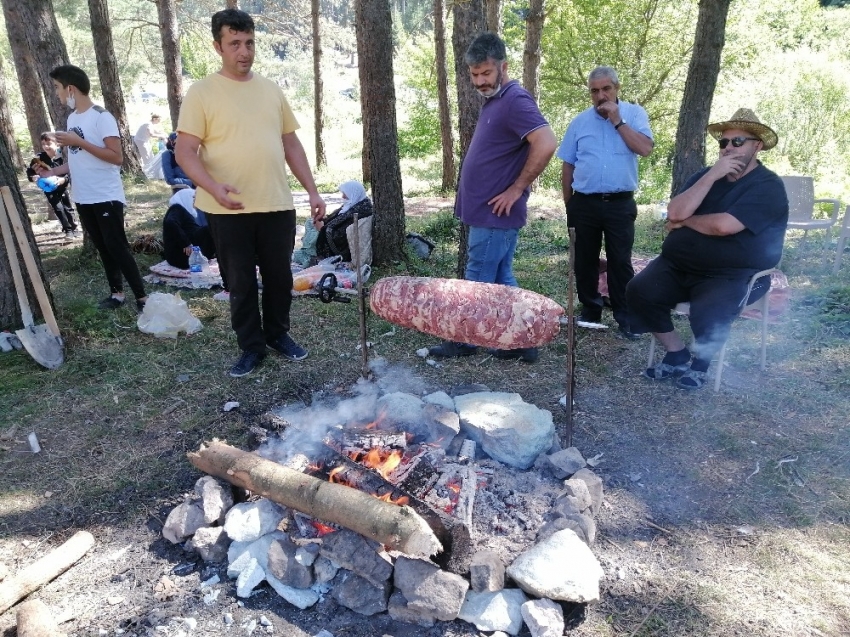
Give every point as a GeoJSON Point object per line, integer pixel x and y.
{"type": "Point", "coordinates": [196, 265]}
{"type": "Point", "coordinates": [661, 210]}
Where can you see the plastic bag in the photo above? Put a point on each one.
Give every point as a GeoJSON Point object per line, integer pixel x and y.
{"type": "Point", "coordinates": [166, 315]}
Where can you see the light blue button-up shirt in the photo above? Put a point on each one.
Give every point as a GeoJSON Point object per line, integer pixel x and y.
{"type": "Point", "coordinates": [603, 162]}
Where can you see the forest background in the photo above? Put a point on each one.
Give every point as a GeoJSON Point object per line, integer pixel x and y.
{"type": "Point", "coordinates": [786, 60]}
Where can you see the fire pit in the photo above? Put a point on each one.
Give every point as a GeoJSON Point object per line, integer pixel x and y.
{"type": "Point", "coordinates": [385, 501]}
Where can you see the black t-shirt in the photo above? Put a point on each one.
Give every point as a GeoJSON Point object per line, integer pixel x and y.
{"type": "Point", "coordinates": [759, 202]}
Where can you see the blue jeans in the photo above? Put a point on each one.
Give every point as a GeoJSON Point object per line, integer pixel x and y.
{"type": "Point", "coordinates": [490, 255]}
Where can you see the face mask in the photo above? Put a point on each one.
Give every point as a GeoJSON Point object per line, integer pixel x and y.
{"type": "Point", "coordinates": [71, 102]}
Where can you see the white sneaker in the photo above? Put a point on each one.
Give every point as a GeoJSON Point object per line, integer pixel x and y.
{"type": "Point", "coordinates": [224, 295]}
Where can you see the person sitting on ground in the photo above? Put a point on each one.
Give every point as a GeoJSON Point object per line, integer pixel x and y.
{"type": "Point", "coordinates": [174, 175]}
{"type": "Point", "coordinates": [726, 224]}
{"type": "Point", "coordinates": [54, 188]}
{"type": "Point", "coordinates": [185, 226]}
{"type": "Point", "coordinates": [332, 239]}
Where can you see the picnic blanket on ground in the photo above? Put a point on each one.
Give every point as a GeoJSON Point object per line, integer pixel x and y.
{"type": "Point", "coordinates": [165, 274]}
{"type": "Point", "coordinates": [780, 291]}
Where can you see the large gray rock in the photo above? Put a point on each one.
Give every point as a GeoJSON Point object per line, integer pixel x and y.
{"type": "Point", "coordinates": [494, 611]}
{"type": "Point", "coordinates": [507, 428]}
{"type": "Point", "coordinates": [324, 569]}
{"type": "Point", "coordinates": [566, 462]}
{"type": "Point", "coordinates": [560, 567]}
{"type": "Point", "coordinates": [486, 572]}
{"type": "Point", "coordinates": [443, 424]}
{"type": "Point", "coordinates": [543, 617]}
{"type": "Point", "coordinates": [361, 595]}
{"type": "Point", "coordinates": [594, 486]}
{"type": "Point", "coordinates": [216, 499]}
{"type": "Point", "coordinates": [428, 589]}
{"type": "Point", "coordinates": [576, 492]}
{"type": "Point", "coordinates": [249, 578]}
{"type": "Point", "coordinates": [400, 410]}
{"type": "Point", "coordinates": [284, 566]}
{"type": "Point", "coordinates": [211, 543]}
{"type": "Point", "coordinates": [441, 399]}
{"type": "Point", "coordinates": [354, 552]}
{"type": "Point", "coordinates": [240, 554]}
{"type": "Point", "coordinates": [250, 521]}
{"type": "Point", "coordinates": [300, 597]}
{"type": "Point", "coordinates": [401, 612]}
{"type": "Point", "coordinates": [183, 521]}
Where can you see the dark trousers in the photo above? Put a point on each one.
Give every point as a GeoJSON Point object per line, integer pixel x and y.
{"type": "Point", "coordinates": [715, 302]}
{"type": "Point", "coordinates": [104, 223]}
{"type": "Point", "coordinates": [592, 219]}
{"type": "Point", "coordinates": [61, 204]}
{"type": "Point", "coordinates": [243, 241]}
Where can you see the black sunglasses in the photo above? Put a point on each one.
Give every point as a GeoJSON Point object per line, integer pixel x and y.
{"type": "Point", "coordinates": [737, 142]}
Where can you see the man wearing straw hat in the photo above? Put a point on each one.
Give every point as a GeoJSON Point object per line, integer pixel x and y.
{"type": "Point", "coordinates": [727, 223]}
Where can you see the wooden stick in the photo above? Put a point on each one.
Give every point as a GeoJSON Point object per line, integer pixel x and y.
{"type": "Point", "coordinates": [398, 527]}
{"type": "Point", "coordinates": [361, 301]}
{"type": "Point", "coordinates": [34, 620]}
{"type": "Point", "coordinates": [15, 588]}
{"type": "Point", "coordinates": [567, 438]}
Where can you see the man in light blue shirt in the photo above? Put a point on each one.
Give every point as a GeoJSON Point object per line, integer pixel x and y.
{"type": "Point", "coordinates": [598, 178]}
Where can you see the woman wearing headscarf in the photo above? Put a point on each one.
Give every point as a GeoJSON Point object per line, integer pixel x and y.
{"type": "Point", "coordinates": [185, 226]}
{"type": "Point", "coordinates": [332, 238]}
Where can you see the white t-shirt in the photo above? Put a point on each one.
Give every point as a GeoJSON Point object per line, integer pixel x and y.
{"type": "Point", "coordinates": [93, 180]}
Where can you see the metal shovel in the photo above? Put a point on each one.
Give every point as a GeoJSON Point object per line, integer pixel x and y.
{"type": "Point", "coordinates": [43, 343]}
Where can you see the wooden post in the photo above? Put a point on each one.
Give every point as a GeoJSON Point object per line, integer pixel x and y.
{"type": "Point", "coordinates": [567, 437]}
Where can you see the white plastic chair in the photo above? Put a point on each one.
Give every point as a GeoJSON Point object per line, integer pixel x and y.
{"type": "Point", "coordinates": [763, 305]}
{"type": "Point", "coordinates": [801, 213]}
{"type": "Point", "coordinates": [842, 240]}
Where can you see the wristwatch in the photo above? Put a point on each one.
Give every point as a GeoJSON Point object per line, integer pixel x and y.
{"type": "Point", "coordinates": [616, 126]}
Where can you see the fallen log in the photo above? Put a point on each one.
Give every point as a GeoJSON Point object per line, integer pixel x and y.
{"type": "Point", "coordinates": [15, 588]}
{"type": "Point", "coordinates": [35, 620]}
{"type": "Point", "coordinates": [398, 527]}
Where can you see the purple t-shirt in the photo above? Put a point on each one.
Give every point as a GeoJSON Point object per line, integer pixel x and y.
{"type": "Point", "coordinates": [496, 156]}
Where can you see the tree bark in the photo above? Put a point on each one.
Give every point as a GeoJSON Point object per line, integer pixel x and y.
{"type": "Point", "coordinates": [531, 53]}
{"type": "Point", "coordinates": [44, 41]}
{"type": "Point", "coordinates": [10, 315]}
{"type": "Point", "coordinates": [318, 89]}
{"type": "Point", "coordinates": [469, 21]}
{"type": "Point", "coordinates": [37, 120]}
{"type": "Point", "coordinates": [373, 26]}
{"type": "Point", "coordinates": [45, 570]}
{"type": "Point", "coordinates": [7, 127]}
{"type": "Point", "coordinates": [695, 110]}
{"type": "Point", "coordinates": [449, 181]}
{"type": "Point", "coordinates": [399, 528]}
{"type": "Point", "coordinates": [493, 15]}
{"type": "Point", "coordinates": [170, 34]}
{"type": "Point", "coordinates": [110, 83]}
{"type": "Point", "coordinates": [232, 4]}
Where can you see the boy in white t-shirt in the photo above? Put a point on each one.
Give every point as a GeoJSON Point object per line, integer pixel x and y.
{"type": "Point", "coordinates": [94, 158]}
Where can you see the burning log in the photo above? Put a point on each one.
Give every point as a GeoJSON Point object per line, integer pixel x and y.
{"type": "Point", "coordinates": [397, 527]}
{"type": "Point", "coordinates": [44, 570]}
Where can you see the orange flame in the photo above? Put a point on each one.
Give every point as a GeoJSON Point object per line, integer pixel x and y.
{"type": "Point", "coordinates": [382, 462]}
{"type": "Point", "coordinates": [332, 476]}
{"type": "Point", "coordinates": [454, 487]}
{"type": "Point", "coordinates": [322, 529]}
{"type": "Point", "coordinates": [387, 497]}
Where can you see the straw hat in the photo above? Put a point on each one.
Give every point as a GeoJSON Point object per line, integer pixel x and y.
{"type": "Point", "coordinates": [745, 119]}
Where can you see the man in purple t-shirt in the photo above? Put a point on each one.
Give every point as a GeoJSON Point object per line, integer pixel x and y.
{"type": "Point", "coordinates": [511, 146]}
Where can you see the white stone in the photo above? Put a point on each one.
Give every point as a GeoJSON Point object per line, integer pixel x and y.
{"type": "Point", "coordinates": [494, 611]}
{"type": "Point", "coordinates": [216, 499]}
{"type": "Point", "coordinates": [249, 578]}
{"type": "Point", "coordinates": [422, 352]}
{"type": "Point", "coordinates": [543, 617]}
{"type": "Point", "coordinates": [560, 567]}
{"type": "Point", "coordinates": [439, 398]}
{"type": "Point", "coordinates": [300, 597]}
{"type": "Point", "coordinates": [183, 521]}
{"type": "Point", "coordinates": [249, 521]}
{"type": "Point", "coordinates": [230, 405]}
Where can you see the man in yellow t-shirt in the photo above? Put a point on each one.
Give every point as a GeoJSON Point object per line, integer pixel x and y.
{"type": "Point", "coordinates": [237, 137]}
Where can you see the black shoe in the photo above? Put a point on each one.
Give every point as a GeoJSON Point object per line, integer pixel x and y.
{"type": "Point", "coordinates": [525, 354]}
{"type": "Point", "coordinates": [627, 334]}
{"type": "Point", "coordinates": [246, 364]}
{"type": "Point", "coordinates": [110, 303]}
{"type": "Point", "coordinates": [140, 305]}
{"type": "Point", "coordinates": [288, 348]}
{"type": "Point", "coordinates": [450, 349]}
{"type": "Point", "coordinates": [590, 316]}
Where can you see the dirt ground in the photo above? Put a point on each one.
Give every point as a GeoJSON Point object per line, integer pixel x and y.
{"type": "Point", "coordinates": [725, 513]}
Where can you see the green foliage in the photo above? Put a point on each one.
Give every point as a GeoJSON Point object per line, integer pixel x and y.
{"type": "Point", "coordinates": [198, 57]}
{"type": "Point", "coordinates": [830, 309]}
{"type": "Point", "coordinates": [442, 227]}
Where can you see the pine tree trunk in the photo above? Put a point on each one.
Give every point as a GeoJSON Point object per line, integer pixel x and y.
{"type": "Point", "coordinates": [318, 89]}
{"type": "Point", "coordinates": [232, 4]}
{"type": "Point", "coordinates": [449, 181]}
{"type": "Point", "coordinates": [531, 53]}
{"type": "Point", "coordinates": [469, 21]}
{"type": "Point", "coordinates": [493, 16]}
{"type": "Point", "coordinates": [44, 41]}
{"type": "Point", "coordinates": [7, 128]}
{"type": "Point", "coordinates": [110, 83]}
{"type": "Point", "coordinates": [36, 114]}
{"type": "Point", "coordinates": [170, 34]}
{"type": "Point", "coordinates": [373, 26]}
{"type": "Point", "coordinates": [699, 90]}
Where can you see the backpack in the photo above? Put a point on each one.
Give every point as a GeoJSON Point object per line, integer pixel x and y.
{"type": "Point", "coordinates": [332, 239]}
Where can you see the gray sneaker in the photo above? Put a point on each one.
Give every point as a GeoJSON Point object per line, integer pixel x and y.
{"type": "Point", "coordinates": [663, 371]}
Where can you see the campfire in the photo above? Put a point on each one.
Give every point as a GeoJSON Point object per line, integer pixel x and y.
{"type": "Point", "coordinates": [373, 501]}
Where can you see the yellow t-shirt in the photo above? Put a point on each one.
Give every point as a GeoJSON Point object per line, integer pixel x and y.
{"type": "Point", "coordinates": [240, 125]}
